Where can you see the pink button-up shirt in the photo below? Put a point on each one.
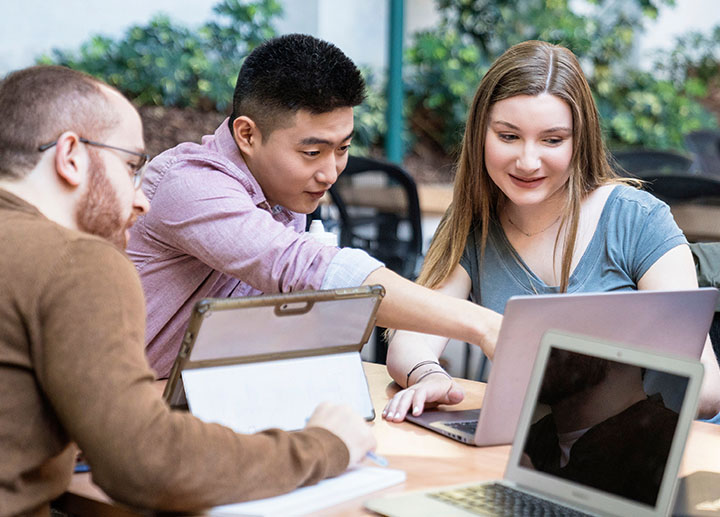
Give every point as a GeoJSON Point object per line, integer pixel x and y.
{"type": "Point", "coordinates": [210, 232]}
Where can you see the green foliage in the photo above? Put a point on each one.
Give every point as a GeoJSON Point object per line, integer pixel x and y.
{"type": "Point", "coordinates": [604, 32]}
{"type": "Point", "coordinates": [637, 108]}
{"type": "Point", "coordinates": [162, 63]}
{"type": "Point", "coordinates": [643, 111]}
{"type": "Point", "coordinates": [370, 120]}
{"type": "Point", "coordinates": [695, 55]}
{"type": "Point", "coordinates": [446, 69]}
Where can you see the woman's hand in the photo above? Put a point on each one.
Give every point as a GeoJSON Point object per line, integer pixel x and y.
{"type": "Point", "coordinates": [433, 389]}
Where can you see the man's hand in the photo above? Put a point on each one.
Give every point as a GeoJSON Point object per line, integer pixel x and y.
{"type": "Point", "coordinates": [437, 389]}
{"type": "Point", "coordinates": [347, 425]}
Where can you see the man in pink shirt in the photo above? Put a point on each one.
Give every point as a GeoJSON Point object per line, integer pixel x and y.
{"type": "Point", "coordinates": [228, 215]}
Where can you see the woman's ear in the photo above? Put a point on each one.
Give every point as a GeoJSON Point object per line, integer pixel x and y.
{"type": "Point", "coordinates": [71, 159]}
{"type": "Point", "coordinates": [246, 134]}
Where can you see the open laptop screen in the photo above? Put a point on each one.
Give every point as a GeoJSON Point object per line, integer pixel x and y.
{"type": "Point", "coordinates": [594, 424]}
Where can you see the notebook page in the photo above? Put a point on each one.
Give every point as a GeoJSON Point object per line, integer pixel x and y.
{"type": "Point", "coordinates": [276, 394]}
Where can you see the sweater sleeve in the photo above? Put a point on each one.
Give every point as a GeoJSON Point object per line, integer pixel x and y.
{"type": "Point", "coordinates": [91, 365]}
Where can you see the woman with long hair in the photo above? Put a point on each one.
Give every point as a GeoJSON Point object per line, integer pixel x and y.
{"type": "Point", "coordinates": [537, 209]}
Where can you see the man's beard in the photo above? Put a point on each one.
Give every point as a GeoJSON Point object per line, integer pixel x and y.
{"type": "Point", "coordinates": [99, 211]}
{"type": "Point", "coordinates": [569, 373]}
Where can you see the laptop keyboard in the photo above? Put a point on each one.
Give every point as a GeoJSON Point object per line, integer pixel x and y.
{"type": "Point", "coordinates": [495, 499]}
{"type": "Point", "coordinates": [467, 426]}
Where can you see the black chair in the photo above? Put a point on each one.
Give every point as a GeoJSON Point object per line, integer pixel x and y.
{"type": "Point", "coordinates": [705, 146]}
{"type": "Point", "coordinates": [640, 161]}
{"type": "Point", "coordinates": [715, 336]}
{"type": "Point", "coordinates": [682, 188]}
{"type": "Point", "coordinates": [672, 177]}
{"type": "Point", "coordinates": [378, 210]}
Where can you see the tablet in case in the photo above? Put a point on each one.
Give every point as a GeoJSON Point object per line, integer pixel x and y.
{"type": "Point", "coordinates": [267, 361]}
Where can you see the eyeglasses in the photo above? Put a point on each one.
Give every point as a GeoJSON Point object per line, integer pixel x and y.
{"type": "Point", "coordinates": [138, 169]}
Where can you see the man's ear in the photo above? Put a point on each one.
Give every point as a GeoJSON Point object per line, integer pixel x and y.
{"type": "Point", "coordinates": [246, 133]}
{"type": "Point", "coordinates": [71, 159]}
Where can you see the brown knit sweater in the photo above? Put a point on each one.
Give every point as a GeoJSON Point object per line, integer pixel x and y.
{"type": "Point", "coordinates": [72, 368]}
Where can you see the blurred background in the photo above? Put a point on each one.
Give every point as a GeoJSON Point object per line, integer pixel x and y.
{"type": "Point", "coordinates": [653, 64]}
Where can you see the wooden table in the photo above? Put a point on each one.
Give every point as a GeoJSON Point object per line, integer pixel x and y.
{"type": "Point", "coordinates": [428, 458]}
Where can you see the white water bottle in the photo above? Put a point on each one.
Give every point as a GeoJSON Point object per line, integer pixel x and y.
{"type": "Point", "coordinates": [317, 232]}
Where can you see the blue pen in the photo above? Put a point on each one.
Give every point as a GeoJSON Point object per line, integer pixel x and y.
{"type": "Point", "coordinates": [377, 459]}
{"type": "Point", "coordinates": [81, 466]}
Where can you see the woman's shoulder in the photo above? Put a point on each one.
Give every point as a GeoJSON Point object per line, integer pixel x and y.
{"type": "Point", "coordinates": [628, 195]}
{"type": "Point", "coordinates": [632, 208]}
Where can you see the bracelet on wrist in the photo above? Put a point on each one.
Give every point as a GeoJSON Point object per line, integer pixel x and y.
{"type": "Point", "coordinates": [430, 373]}
{"type": "Point", "coordinates": [418, 365]}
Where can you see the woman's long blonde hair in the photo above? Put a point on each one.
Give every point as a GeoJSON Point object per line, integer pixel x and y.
{"type": "Point", "coordinates": [528, 68]}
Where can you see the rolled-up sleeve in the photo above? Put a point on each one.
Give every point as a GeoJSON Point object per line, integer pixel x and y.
{"type": "Point", "coordinates": [349, 268]}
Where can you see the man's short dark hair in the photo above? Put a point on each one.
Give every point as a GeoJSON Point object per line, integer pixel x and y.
{"type": "Point", "coordinates": [38, 104]}
{"type": "Point", "coordinates": [294, 72]}
{"type": "Point", "coordinates": [569, 373]}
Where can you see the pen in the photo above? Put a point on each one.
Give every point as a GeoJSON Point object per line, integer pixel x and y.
{"type": "Point", "coordinates": [81, 466]}
{"type": "Point", "coordinates": [377, 459]}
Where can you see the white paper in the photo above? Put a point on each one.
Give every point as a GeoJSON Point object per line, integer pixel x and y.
{"type": "Point", "coordinates": [329, 492]}
{"type": "Point", "coordinates": [276, 394]}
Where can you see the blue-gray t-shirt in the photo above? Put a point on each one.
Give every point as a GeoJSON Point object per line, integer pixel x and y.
{"type": "Point", "coordinates": [634, 230]}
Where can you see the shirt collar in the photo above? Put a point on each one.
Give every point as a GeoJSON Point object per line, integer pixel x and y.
{"type": "Point", "coordinates": [10, 200]}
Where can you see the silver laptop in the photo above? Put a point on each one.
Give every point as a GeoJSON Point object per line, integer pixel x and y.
{"type": "Point", "coordinates": [590, 441]}
{"type": "Point", "coordinates": [667, 321]}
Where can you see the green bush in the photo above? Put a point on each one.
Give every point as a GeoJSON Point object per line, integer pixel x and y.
{"type": "Point", "coordinates": [370, 120]}
{"type": "Point", "coordinates": [637, 108]}
{"type": "Point", "coordinates": [445, 71]}
{"type": "Point", "coordinates": [165, 64]}
{"type": "Point", "coordinates": [162, 63]}
{"type": "Point", "coordinates": [695, 56]}
{"type": "Point", "coordinates": [643, 111]}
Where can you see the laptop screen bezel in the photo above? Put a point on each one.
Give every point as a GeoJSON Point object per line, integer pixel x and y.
{"type": "Point", "coordinates": [581, 496]}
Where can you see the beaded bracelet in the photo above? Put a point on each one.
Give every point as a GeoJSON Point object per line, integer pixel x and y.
{"type": "Point", "coordinates": [421, 363]}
